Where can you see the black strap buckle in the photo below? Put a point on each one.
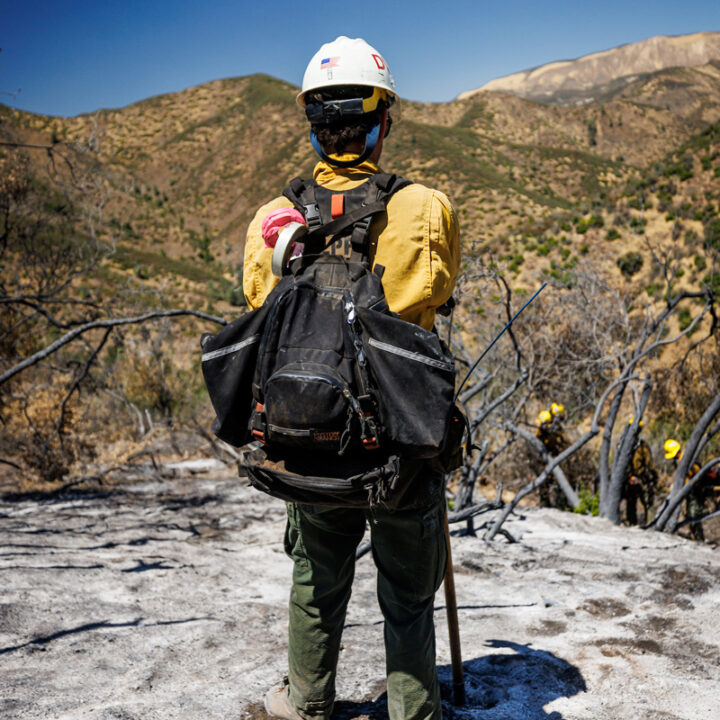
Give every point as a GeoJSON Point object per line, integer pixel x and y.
{"type": "Point", "coordinates": [312, 216]}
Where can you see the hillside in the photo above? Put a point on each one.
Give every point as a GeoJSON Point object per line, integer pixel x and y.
{"type": "Point", "coordinates": [605, 74]}
{"type": "Point", "coordinates": [187, 170]}
{"type": "Point", "coordinates": [614, 191]}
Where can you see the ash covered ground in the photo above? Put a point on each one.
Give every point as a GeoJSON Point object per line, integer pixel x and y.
{"type": "Point", "coordinates": [167, 599]}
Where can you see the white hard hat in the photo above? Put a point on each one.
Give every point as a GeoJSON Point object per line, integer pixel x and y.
{"type": "Point", "coordinates": [347, 61]}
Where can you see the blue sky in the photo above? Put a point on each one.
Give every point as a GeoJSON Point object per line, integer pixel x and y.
{"type": "Point", "coordinates": [69, 56]}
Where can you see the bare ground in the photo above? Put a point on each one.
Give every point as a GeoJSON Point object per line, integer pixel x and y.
{"type": "Point", "coordinates": [161, 600]}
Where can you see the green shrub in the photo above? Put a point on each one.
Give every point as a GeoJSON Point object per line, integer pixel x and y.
{"type": "Point", "coordinates": [516, 262]}
{"type": "Point", "coordinates": [589, 502]}
{"type": "Point", "coordinates": [612, 234]}
{"type": "Point", "coordinates": [700, 262]}
{"type": "Point", "coordinates": [683, 168]}
{"type": "Point", "coordinates": [684, 318]}
{"type": "Point", "coordinates": [712, 233]}
{"type": "Point", "coordinates": [582, 225]}
{"type": "Point", "coordinates": [638, 225]}
{"type": "Point", "coordinates": [639, 203]}
{"type": "Point", "coordinates": [630, 263]}
{"type": "Point", "coordinates": [713, 280]}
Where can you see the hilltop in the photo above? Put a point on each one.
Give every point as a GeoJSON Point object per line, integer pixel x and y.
{"type": "Point", "coordinates": [165, 600]}
{"type": "Point", "coordinates": [603, 75]}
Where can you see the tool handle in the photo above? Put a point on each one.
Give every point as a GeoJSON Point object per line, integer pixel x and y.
{"type": "Point", "coordinates": [453, 625]}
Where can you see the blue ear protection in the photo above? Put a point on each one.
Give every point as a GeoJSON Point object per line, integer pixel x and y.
{"type": "Point", "coordinates": [371, 140]}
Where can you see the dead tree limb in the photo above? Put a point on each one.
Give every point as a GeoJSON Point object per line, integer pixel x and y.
{"type": "Point", "coordinates": [709, 435]}
{"type": "Point", "coordinates": [624, 457]}
{"type": "Point", "coordinates": [676, 499]}
{"type": "Point", "coordinates": [76, 384]}
{"type": "Point", "coordinates": [471, 473]}
{"type": "Point", "coordinates": [482, 415]}
{"type": "Point", "coordinates": [667, 519]}
{"type": "Point", "coordinates": [473, 390]}
{"type": "Point", "coordinates": [477, 509]}
{"type": "Point", "coordinates": [554, 462]}
{"type": "Point", "coordinates": [698, 518]}
{"type": "Point", "coordinates": [638, 354]}
{"type": "Point", "coordinates": [110, 323]}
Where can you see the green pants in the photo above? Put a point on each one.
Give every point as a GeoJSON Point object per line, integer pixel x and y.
{"type": "Point", "coordinates": [410, 553]}
{"type": "Point", "coordinates": [695, 506]}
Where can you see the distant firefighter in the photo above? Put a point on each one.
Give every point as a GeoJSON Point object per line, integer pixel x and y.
{"type": "Point", "coordinates": [550, 429]}
{"type": "Point", "coordinates": [640, 481]}
{"type": "Point", "coordinates": [550, 433]}
{"type": "Point", "coordinates": [706, 489]}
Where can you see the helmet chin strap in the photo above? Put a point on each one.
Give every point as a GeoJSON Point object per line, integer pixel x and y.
{"type": "Point", "coordinates": [371, 140]}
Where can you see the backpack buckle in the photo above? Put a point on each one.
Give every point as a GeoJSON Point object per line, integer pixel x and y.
{"type": "Point", "coordinates": [258, 423]}
{"type": "Point", "coordinates": [370, 443]}
{"type": "Point", "coordinates": [368, 429]}
{"type": "Point", "coordinates": [312, 216]}
{"type": "Point", "coordinates": [359, 236]}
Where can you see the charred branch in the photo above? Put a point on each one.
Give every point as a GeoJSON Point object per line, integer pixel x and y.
{"type": "Point", "coordinates": [110, 323]}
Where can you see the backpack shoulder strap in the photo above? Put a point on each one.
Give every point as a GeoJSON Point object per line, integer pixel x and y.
{"type": "Point", "coordinates": [380, 188]}
{"type": "Point", "coordinates": [301, 194]}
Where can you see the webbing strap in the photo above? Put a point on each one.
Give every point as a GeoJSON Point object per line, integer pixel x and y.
{"type": "Point", "coordinates": [348, 219]}
{"type": "Point", "coordinates": [359, 240]}
{"type": "Point", "coordinates": [378, 190]}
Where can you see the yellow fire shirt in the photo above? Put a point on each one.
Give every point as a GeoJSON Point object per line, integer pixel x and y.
{"type": "Point", "coordinates": [418, 244]}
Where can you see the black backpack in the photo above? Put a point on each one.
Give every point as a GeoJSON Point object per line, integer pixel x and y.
{"type": "Point", "coordinates": [329, 386]}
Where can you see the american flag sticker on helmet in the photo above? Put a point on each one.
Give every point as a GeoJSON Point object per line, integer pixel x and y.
{"type": "Point", "coordinates": [331, 62]}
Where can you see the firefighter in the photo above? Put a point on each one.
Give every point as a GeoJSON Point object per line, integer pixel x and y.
{"type": "Point", "coordinates": [640, 480]}
{"type": "Point", "coordinates": [703, 491]}
{"type": "Point", "coordinates": [550, 429]}
{"type": "Point", "coordinates": [550, 433]}
{"type": "Point", "coordinates": [348, 95]}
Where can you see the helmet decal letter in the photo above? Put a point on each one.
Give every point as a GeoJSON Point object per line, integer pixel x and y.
{"type": "Point", "coordinates": [379, 62]}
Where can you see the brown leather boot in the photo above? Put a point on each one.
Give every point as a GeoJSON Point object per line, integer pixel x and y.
{"type": "Point", "coordinates": [277, 704]}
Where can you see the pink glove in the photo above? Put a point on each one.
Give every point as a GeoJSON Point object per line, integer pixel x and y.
{"type": "Point", "coordinates": [275, 221]}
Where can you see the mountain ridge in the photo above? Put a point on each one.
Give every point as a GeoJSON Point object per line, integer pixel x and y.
{"type": "Point", "coordinates": [186, 171]}
{"type": "Point", "coordinates": [577, 81]}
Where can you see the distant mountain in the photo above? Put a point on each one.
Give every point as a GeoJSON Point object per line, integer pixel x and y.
{"type": "Point", "coordinates": [184, 172]}
{"type": "Point", "coordinates": [625, 190]}
{"type": "Point", "coordinates": [603, 75]}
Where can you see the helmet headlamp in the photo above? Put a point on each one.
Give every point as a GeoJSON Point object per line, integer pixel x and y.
{"type": "Point", "coordinates": [333, 110]}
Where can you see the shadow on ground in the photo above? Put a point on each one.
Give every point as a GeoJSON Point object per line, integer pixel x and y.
{"type": "Point", "coordinates": [499, 686]}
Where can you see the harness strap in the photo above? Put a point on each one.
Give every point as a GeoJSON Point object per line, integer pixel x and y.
{"type": "Point", "coordinates": [378, 190]}
{"type": "Point", "coordinates": [359, 240]}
